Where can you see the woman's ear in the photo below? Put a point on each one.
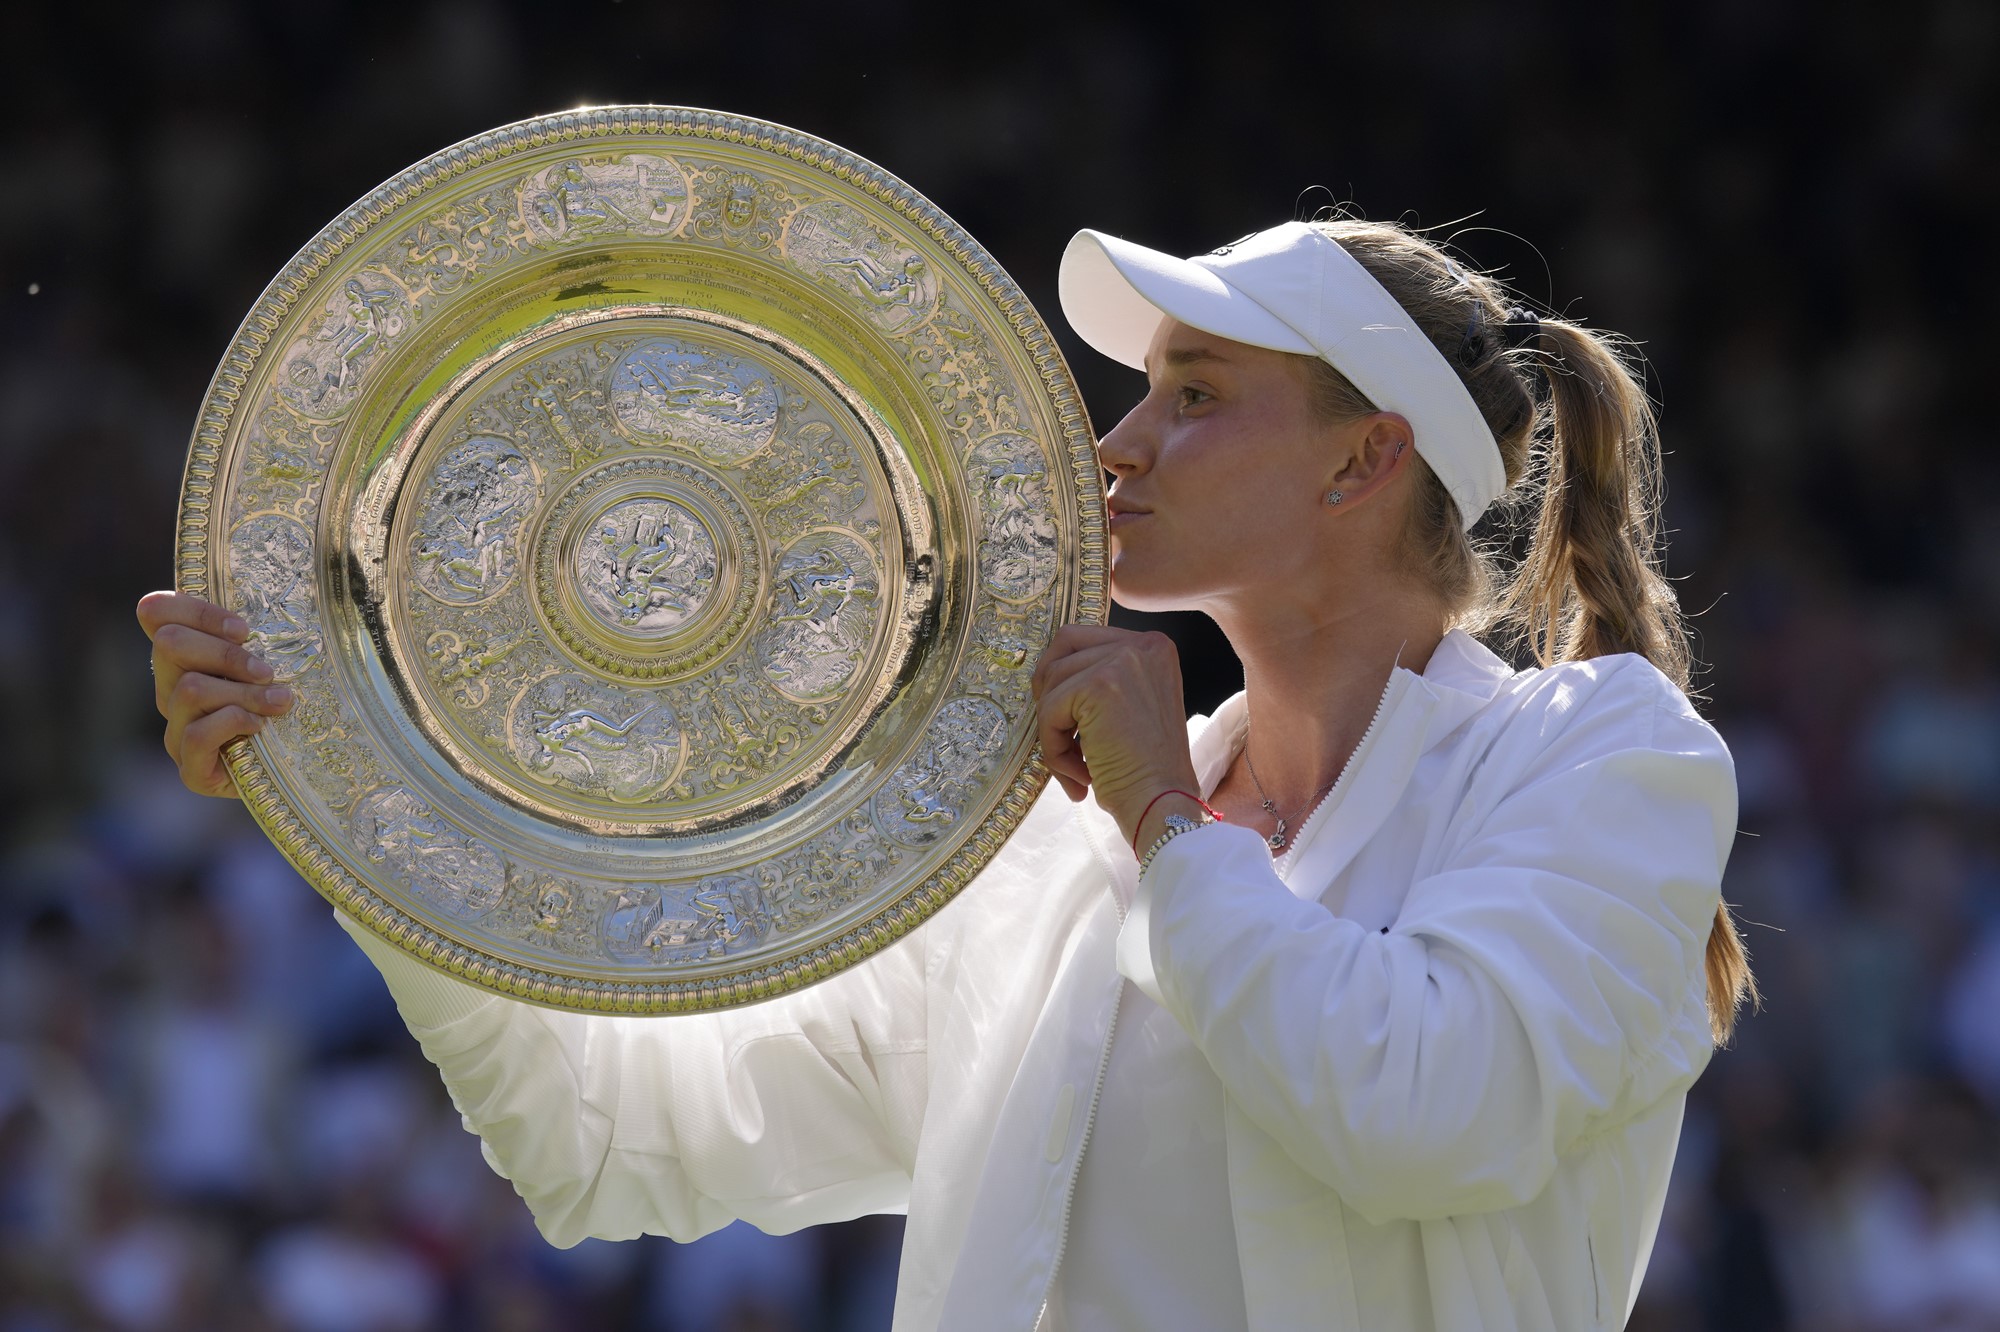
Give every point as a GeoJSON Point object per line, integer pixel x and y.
{"type": "Point", "coordinates": [1377, 446]}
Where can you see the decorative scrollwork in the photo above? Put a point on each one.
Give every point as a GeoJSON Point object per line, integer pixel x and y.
{"type": "Point", "coordinates": [741, 208]}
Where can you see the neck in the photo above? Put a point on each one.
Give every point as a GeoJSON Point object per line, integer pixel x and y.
{"type": "Point", "coordinates": [1313, 683]}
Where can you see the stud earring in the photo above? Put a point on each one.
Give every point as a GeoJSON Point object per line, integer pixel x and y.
{"type": "Point", "coordinates": [1334, 497]}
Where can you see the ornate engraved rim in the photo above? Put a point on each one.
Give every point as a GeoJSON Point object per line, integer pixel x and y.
{"type": "Point", "coordinates": [197, 552]}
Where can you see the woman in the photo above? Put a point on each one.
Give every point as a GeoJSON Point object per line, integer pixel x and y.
{"type": "Point", "coordinates": [1425, 952]}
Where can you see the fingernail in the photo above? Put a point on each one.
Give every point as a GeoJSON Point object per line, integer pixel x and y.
{"type": "Point", "coordinates": [278, 696]}
{"type": "Point", "coordinates": [236, 627]}
{"type": "Point", "coordinates": [259, 670]}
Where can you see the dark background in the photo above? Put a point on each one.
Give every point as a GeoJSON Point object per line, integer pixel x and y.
{"type": "Point", "coordinates": [209, 1115]}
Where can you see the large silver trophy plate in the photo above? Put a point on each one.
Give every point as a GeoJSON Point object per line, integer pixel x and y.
{"type": "Point", "coordinates": [659, 514]}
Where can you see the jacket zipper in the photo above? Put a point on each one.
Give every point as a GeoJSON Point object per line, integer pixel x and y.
{"type": "Point", "coordinates": [1089, 1120]}
{"type": "Point", "coordinates": [1111, 1029]}
{"type": "Point", "coordinates": [1340, 782]}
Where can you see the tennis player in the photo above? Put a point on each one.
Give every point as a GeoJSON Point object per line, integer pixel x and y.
{"type": "Point", "coordinates": [1370, 1002]}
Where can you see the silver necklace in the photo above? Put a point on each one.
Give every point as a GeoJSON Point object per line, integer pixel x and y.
{"type": "Point", "coordinates": [1276, 841]}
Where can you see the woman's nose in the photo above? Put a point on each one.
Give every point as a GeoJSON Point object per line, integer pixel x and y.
{"type": "Point", "coordinates": [1127, 445]}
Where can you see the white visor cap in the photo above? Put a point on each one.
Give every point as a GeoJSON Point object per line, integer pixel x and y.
{"type": "Point", "coordinates": [1291, 289]}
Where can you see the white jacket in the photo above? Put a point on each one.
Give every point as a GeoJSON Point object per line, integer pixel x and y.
{"type": "Point", "coordinates": [1455, 1026]}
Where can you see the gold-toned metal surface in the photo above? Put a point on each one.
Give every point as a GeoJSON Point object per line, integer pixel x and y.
{"type": "Point", "coordinates": [658, 514]}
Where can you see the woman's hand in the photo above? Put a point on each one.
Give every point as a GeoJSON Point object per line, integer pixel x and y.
{"type": "Point", "coordinates": [206, 684]}
{"type": "Point", "coordinates": [1110, 717]}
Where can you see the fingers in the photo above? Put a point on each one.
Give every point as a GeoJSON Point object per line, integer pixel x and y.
{"type": "Point", "coordinates": [200, 753]}
{"type": "Point", "coordinates": [1075, 638]}
{"type": "Point", "coordinates": [1072, 788]}
{"type": "Point", "coordinates": [1056, 721]}
{"type": "Point", "coordinates": [1073, 651]}
{"type": "Point", "coordinates": [206, 683]}
{"type": "Point", "coordinates": [179, 649]}
{"type": "Point", "coordinates": [1109, 717]}
{"type": "Point", "coordinates": [1056, 727]}
{"type": "Point", "coordinates": [1052, 672]}
{"type": "Point", "coordinates": [163, 608]}
{"type": "Point", "coordinates": [195, 696]}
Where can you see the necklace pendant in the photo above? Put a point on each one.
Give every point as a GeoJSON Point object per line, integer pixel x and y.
{"type": "Point", "coordinates": [1276, 841]}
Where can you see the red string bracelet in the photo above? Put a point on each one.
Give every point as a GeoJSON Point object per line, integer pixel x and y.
{"type": "Point", "coordinates": [1208, 808]}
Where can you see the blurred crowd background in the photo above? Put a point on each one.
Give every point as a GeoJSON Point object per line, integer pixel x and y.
{"type": "Point", "coordinates": [210, 1116]}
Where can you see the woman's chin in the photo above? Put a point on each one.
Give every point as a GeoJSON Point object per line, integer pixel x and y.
{"type": "Point", "coordinates": [1137, 593]}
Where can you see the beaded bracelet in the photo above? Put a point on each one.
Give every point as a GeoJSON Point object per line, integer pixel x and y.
{"type": "Point", "coordinates": [1176, 825]}
{"type": "Point", "coordinates": [1206, 808]}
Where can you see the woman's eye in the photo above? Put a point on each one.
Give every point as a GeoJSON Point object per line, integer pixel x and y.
{"type": "Point", "coordinates": [1192, 396]}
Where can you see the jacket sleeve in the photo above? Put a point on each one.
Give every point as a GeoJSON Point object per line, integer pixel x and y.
{"type": "Point", "coordinates": [799, 1110]}
{"type": "Point", "coordinates": [1545, 985]}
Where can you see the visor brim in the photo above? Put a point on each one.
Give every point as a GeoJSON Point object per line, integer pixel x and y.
{"type": "Point", "coordinates": [1114, 294]}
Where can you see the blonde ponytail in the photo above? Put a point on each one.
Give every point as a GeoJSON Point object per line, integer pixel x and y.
{"type": "Point", "coordinates": [1591, 583]}
{"type": "Point", "coordinates": [1580, 444]}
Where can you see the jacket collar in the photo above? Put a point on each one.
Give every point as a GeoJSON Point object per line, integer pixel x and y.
{"type": "Point", "coordinates": [1461, 677]}
{"type": "Point", "coordinates": [1418, 712]}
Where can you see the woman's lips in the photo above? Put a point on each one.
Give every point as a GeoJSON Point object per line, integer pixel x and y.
{"type": "Point", "coordinates": [1126, 517]}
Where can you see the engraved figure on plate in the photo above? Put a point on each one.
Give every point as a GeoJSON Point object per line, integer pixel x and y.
{"type": "Point", "coordinates": [733, 909]}
{"type": "Point", "coordinates": [396, 829]}
{"type": "Point", "coordinates": [461, 666]}
{"type": "Point", "coordinates": [822, 614]}
{"type": "Point", "coordinates": [812, 479]}
{"type": "Point", "coordinates": [592, 739]}
{"type": "Point", "coordinates": [271, 569]}
{"type": "Point", "coordinates": [887, 281]}
{"type": "Point", "coordinates": [550, 912]}
{"type": "Point", "coordinates": [646, 923]}
{"type": "Point", "coordinates": [323, 369]}
{"type": "Point", "coordinates": [649, 566]}
{"type": "Point", "coordinates": [924, 798]}
{"type": "Point", "coordinates": [738, 208]}
{"type": "Point", "coordinates": [727, 913]}
{"type": "Point", "coordinates": [636, 194]}
{"type": "Point", "coordinates": [725, 407]}
{"type": "Point", "coordinates": [1017, 546]}
{"type": "Point", "coordinates": [466, 547]}
{"type": "Point", "coordinates": [553, 403]}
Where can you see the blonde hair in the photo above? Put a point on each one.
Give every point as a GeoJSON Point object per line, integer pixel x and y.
{"type": "Point", "coordinates": [1580, 443]}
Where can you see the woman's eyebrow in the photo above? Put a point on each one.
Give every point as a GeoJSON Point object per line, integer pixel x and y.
{"type": "Point", "coordinates": [1181, 356]}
